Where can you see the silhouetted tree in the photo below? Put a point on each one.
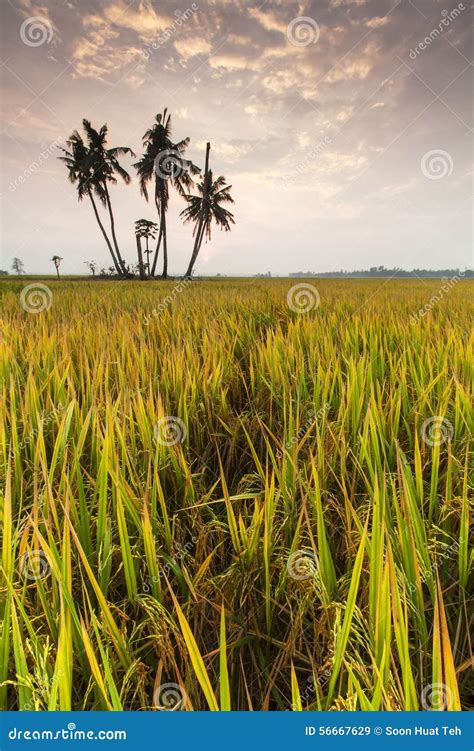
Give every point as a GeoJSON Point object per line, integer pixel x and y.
{"type": "Point", "coordinates": [57, 262]}
{"type": "Point", "coordinates": [92, 266]}
{"type": "Point", "coordinates": [147, 229]}
{"type": "Point", "coordinates": [91, 168]}
{"type": "Point", "coordinates": [205, 208]}
{"type": "Point", "coordinates": [163, 159]}
{"type": "Point", "coordinates": [18, 266]}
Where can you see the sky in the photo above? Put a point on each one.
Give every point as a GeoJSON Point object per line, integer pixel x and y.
{"type": "Point", "coordinates": [344, 127]}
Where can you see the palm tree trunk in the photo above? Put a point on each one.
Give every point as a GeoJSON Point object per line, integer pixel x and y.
{"type": "Point", "coordinates": [201, 225]}
{"type": "Point", "coordinates": [157, 251]}
{"type": "Point", "coordinates": [160, 237]}
{"type": "Point", "coordinates": [165, 249]}
{"type": "Point", "coordinates": [117, 267]}
{"type": "Point", "coordinates": [141, 267]}
{"type": "Point", "coordinates": [197, 247]}
{"type": "Point", "coordinates": [112, 227]}
{"type": "Point", "coordinates": [57, 272]}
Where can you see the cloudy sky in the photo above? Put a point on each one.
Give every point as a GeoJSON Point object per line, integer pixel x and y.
{"type": "Point", "coordinates": [344, 126]}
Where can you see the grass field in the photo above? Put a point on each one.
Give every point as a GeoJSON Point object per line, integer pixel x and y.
{"type": "Point", "coordinates": [215, 501]}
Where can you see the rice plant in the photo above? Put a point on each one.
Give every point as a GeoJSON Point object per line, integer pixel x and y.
{"type": "Point", "coordinates": [215, 501]}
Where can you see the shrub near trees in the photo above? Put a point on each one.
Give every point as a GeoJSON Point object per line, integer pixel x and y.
{"type": "Point", "coordinates": [93, 167]}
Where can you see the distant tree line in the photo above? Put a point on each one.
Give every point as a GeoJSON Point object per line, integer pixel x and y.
{"type": "Point", "coordinates": [381, 271]}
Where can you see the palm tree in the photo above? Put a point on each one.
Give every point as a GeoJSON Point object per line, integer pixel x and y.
{"type": "Point", "coordinates": [91, 167]}
{"type": "Point", "coordinates": [80, 174]}
{"type": "Point", "coordinates": [57, 262]}
{"type": "Point", "coordinates": [105, 166]}
{"type": "Point", "coordinates": [147, 229]}
{"type": "Point", "coordinates": [164, 160]}
{"type": "Point", "coordinates": [206, 208]}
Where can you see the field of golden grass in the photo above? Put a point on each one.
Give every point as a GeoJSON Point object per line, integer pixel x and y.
{"type": "Point", "coordinates": [236, 495]}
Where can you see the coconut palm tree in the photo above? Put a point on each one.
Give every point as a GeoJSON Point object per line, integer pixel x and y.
{"type": "Point", "coordinates": [105, 167]}
{"type": "Point", "coordinates": [80, 174]}
{"type": "Point", "coordinates": [163, 160]}
{"type": "Point", "coordinates": [91, 167]}
{"type": "Point", "coordinates": [57, 262]}
{"type": "Point", "coordinates": [205, 208]}
{"type": "Point", "coordinates": [147, 229]}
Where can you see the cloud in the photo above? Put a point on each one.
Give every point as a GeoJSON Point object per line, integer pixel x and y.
{"type": "Point", "coordinates": [231, 62]}
{"type": "Point", "coordinates": [192, 46]}
{"type": "Point", "coordinates": [358, 68]}
{"type": "Point", "coordinates": [229, 152]}
{"type": "Point", "coordinates": [347, 3]}
{"type": "Point", "coordinates": [348, 71]}
{"type": "Point", "coordinates": [268, 20]}
{"type": "Point", "coordinates": [374, 23]}
{"type": "Point", "coordinates": [281, 81]}
{"type": "Point", "coordinates": [257, 106]}
{"type": "Point", "coordinates": [182, 113]}
{"type": "Point", "coordinates": [106, 60]}
{"type": "Point", "coordinates": [144, 20]}
{"type": "Point", "coordinates": [106, 47]}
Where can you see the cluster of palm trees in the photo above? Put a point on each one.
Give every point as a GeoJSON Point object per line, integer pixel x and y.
{"type": "Point", "coordinates": [93, 167]}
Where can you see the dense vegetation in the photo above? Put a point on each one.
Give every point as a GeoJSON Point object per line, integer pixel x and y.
{"type": "Point", "coordinates": [216, 501]}
{"type": "Point", "coordinates": [381, 271]}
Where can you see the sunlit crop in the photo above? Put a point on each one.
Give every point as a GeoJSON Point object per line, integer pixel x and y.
{"type": "Point", "coordinates": [221, 502]}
